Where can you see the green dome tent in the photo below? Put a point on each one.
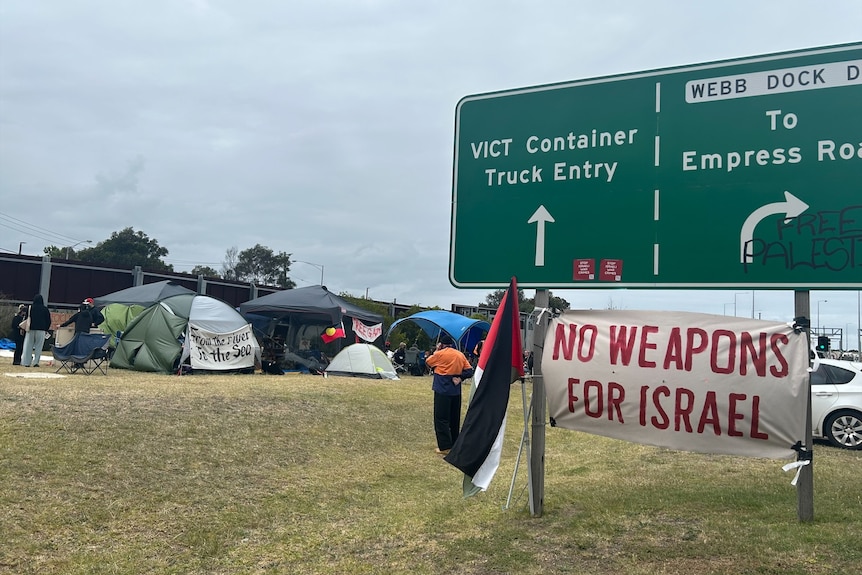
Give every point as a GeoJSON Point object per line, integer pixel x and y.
{"type": "Point", "coordinates": [121, 307]}
{"type": "Point", "coordinates": [155, 340]}
{"type": "Point", "coordinates": [117, 317]}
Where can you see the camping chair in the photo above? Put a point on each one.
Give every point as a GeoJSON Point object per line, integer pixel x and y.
{"type": "Point", "coordinates": [399, 367]}
{"type": "Point", "coordinates": [412, 362]}
{"type": "Point", "coordinates": [86, 352]}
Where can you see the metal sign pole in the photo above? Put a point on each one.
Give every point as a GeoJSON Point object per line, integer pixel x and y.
{"type": "Point", "coordinates": [805, 486]}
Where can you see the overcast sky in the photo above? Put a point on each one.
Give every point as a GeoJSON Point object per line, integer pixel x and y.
{"type": "Point", "coordinates": [325, 129]}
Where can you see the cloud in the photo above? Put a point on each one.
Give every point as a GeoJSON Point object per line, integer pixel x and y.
{"type": "Point", "coordinates": [322, 129]}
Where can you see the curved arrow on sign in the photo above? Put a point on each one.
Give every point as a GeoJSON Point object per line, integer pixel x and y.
{"type": "Point", "coordinates": [791, 207]}
{"type": "Point", "coordinates": [540, 216]}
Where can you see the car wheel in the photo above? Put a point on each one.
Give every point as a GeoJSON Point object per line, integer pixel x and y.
{"type": "Point", "coordinates": [844, 429]}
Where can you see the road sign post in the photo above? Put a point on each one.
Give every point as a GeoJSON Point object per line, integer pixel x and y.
{"type": "Point", "coordinates": [743, 173]}
{"type": "Point", "coordinates": [737, 174]}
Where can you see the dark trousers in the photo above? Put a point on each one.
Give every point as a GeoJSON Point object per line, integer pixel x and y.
{"type": "Point", "coordinates": [19, 350]}
{"type": "Point", "coordinates": [447, 419]}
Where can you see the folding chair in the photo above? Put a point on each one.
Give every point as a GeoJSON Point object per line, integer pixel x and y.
{"type": "Point", "coordinates": [86, 352]}
{"type": "Point", "coordinates": [411, 362]}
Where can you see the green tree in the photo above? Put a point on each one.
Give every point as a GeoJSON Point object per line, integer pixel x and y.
{"type": "Point", "coordinates": [63, 253]}
{"type": "Point", "coordinates": [494, 298]}
{"type": "Point", "coordinates": [556, 302]}
{"type": "Point", "coordinates": [59, 253]}
{"type": "Point", "coordinates": [126, 248]}
{"type": "Point", "coordinates": [228, 266]}
{"type": "Point", "coordinates": [410, 332]}
{"type": "Point", "coordinates": [366, 304]}
{"type": "Point", "coordinates": [261, 265]}
{"type": "Point", "coordinates": [205, 271]}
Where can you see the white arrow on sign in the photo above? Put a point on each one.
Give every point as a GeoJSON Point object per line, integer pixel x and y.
{"type": "Point", "coordinates": [540, 216]}
{"type": "Point", "coordinates": [791, 207]}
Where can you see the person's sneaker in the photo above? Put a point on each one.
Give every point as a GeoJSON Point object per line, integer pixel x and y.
{"type": "Point", "coordinates": [35, 365]}
{"type": "Point", "coordinates": [439, 451]}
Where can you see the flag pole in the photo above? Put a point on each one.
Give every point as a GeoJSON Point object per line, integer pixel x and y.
{"type": "Point", "coordinates": [525, 444]}
{"type": "Point", "coordinates": [537, 457]}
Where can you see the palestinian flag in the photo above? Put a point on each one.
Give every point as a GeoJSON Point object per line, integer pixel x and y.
{"type": "Point", "coordinates": [477, 450]}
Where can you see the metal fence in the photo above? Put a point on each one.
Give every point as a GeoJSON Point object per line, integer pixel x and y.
{"type": "Point", "coordinates": [64, 283]}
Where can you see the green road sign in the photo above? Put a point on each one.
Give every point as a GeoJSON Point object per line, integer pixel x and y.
{"type": "Point", "coordinates": [742, 173]}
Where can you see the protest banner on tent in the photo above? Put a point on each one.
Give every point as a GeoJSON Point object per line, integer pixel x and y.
{"type": "Point", "coordinates": [367, 332]}
{"type": "Point", "coordinates": [221, 351]}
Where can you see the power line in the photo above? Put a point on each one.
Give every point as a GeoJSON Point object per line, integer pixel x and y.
{"type": "Point", "coordinates": [34, 231]}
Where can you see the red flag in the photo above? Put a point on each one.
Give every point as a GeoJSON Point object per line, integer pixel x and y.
{"type": "Point", "coordinates": [330, 334]}
{"type": "Point", "coordinates": [477, 450]}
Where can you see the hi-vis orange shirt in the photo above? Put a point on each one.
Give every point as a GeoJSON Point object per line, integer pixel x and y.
{"type": "Point", "coordinates": [448, 361]}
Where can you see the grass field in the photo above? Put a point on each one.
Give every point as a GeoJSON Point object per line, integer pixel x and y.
{"type": "Point", "coordinates": [139, 473]}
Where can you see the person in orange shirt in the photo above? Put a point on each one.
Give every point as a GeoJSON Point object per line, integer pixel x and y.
{"type": "Point", "coordinates": [451, 368]}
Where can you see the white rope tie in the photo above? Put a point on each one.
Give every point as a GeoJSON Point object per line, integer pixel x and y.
{"type": "Point", "coordinates": [797, 465]}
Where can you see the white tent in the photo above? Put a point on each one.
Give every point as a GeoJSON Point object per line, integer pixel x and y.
{"type": "Point", "coordinates": [362, 360]}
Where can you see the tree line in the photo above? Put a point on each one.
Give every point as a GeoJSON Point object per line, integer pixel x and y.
{"type": "Point", "coordinates": [260, 265]}
{"type": "Point", "coordinates": [129, 248]}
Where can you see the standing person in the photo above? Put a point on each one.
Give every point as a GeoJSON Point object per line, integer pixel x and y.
{"type": "Point", "coordinates": [477, 352]}
{"type": "Point", "coordinates": [40, 323]}
{"type": "Point", "coordinates": [17, 334]}
{"type": "Point", "coordinates": [86, 317]}
{"type": "Point", "coordinates": [450, 368]}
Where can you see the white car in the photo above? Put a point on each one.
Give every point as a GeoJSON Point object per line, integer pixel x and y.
{"type": "Point", "coordinates": [836, 402]}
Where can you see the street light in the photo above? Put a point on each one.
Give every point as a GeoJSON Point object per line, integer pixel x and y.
{"type": "Point", "coordinates": [818, 312]}
{"type": "Point", "coordinates": [734, 300]}
{"type": "Point", "coordinates": [19, 247]}
{"type": "Point", "coordinates": [77, 244]}
{"type": "Point", "coordinates": [318, 266]}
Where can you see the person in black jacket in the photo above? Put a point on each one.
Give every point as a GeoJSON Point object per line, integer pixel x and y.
{"type": "Point", "coordinates": [85, 318]}
{"type": "Point", "coordinates": [40, 323]}
{"type": "Point", "coordinates": [17, 334]}
{"type": "Point", "coordinates": [399, 357]}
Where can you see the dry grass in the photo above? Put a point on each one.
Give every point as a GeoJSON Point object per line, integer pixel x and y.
{"type": "Point", "coordinates": [139, 473]}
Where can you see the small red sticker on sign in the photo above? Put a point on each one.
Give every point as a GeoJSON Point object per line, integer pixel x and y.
{"type": "Point", "coordinates": [611, 270]}
{"type": "Point", "coordinates": [584, 269]}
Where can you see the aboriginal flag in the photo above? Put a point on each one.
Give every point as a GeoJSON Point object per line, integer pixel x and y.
{"type": "Point", "coordinates": [477, 450]}
{"type": "Point", "coordinates": [330, 334]}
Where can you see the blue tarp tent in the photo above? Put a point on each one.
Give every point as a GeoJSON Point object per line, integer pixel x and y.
{"type": "Point", "coordinates": [464, 330]}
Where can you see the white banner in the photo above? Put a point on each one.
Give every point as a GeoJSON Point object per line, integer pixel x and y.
{"type": "Point", "coordinates": [221, 351]}
{"type": "Point", "coordinates": [368, 333]}
{"type": "Point", "coordinates": [694, 382]}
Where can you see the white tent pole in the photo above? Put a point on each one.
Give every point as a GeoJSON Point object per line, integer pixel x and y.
{"type": "Point", "coordinates": [525, 445]}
